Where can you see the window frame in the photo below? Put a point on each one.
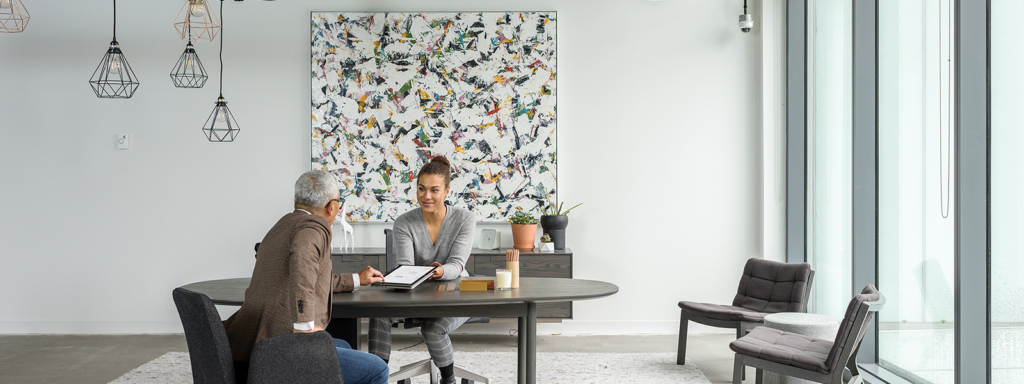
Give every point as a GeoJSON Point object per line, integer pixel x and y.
{"type": "Point", "coordinates": [972, 199]}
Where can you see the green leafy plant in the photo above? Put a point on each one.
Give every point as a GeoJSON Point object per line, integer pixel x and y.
{"type": "Point", "coordinates": [522, 218]}
{"type": "Point", "coordinates": [545, 238]}
{"type": "Point", "coordinates": [554, 209]}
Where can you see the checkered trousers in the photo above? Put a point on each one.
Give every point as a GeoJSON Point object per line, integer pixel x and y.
{"type": "Point", "coordinates": [434, 331]}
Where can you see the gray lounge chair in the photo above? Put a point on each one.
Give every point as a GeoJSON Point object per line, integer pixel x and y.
{"type": "Point", "coordinates": [766, 287]}
{"type": "Point", "coordinates": [822, 361]}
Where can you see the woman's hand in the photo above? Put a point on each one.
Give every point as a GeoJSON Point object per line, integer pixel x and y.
{"type": "Point", "coordinates": [437, 272]}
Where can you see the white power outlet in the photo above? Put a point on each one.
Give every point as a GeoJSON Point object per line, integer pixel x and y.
{"type": "Point", "coordinates": [124, 141]}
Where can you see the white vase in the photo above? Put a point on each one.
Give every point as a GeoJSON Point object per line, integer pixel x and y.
{"type": "Point", "coordinates": [547, 247]}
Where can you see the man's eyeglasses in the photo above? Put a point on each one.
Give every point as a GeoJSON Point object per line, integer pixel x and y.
{"type": "Point", "coordinates": [338, 200]}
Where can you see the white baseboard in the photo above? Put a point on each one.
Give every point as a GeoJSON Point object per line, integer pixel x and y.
{"type": "Point", "coordinates": [497, 327]}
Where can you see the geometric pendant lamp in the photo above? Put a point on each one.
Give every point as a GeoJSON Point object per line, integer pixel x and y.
{"type": "Point", "coordinates": [196, 21]}
{"type": "Point", "coordinates": [221, 125]}
{"type": "Point", "coordinates": [114, 78]}
{"type": "Point", "coordinates": [13, 16]}
{"type": "Point", "coordinates": [189, 71]}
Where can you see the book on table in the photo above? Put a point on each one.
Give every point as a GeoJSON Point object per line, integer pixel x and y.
{"type": "Point", "coordinates": [406, 277]}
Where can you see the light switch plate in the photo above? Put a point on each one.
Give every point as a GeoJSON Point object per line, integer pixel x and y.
{"type": "Point", "coordinates": [124, 141]}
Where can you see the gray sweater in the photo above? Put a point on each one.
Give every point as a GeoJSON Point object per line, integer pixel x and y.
{"type": "Point", "coordinates": [454, 242]}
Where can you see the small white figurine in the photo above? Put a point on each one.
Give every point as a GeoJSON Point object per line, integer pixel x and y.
{"type": "Point", "coordinates": [347, 237]}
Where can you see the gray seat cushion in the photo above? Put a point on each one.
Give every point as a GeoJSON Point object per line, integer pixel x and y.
{"type": "Point", "coordinates": [721, 312]}
{"type": "Point", "coordinates": [784, 348]}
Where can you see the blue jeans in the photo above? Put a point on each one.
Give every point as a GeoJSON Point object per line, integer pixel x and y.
{"type": "Point", "coordinates": [359, 367]}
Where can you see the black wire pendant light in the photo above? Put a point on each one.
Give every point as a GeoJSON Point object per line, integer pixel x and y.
{"type": "Point", "coordinates": [113, 78]}
{"type": "Point", "coordinates": [189, 71]}
{"type": "Point", "coordinates": [221, 125]}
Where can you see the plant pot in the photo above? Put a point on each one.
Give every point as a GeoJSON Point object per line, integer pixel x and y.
{"type": "Point", "coordinates": [523, 236]}
{"type": "Point", "coordinates": [547, 247]}
{"type": "Point", "coordinates": [555, 227]}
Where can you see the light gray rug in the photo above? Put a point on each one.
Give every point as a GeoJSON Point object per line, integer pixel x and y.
{"type": "Point", "coordinates": [499, 367]}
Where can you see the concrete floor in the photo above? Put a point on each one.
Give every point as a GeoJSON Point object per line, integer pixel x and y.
{"type": "Point", "coordinates": [102, 358]}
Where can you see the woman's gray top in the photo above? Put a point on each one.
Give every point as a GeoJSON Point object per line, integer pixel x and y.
{"type": "Point", "coordinates": [454, 241]}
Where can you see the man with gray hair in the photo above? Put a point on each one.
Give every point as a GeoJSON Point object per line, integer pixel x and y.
{"type": "Point", "coordinates": [292, 284]}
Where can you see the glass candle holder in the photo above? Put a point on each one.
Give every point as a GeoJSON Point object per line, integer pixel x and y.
{"type": "Point", "coordinates": [502, 280]}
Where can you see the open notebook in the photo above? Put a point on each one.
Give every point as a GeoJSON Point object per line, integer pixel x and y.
{"type": "Point", "coordinates": [406, 277]}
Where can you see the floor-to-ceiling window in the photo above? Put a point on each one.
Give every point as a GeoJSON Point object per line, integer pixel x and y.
{"type": "Point", "coordinates": [915, 189]}
{"type": "Point", "coordinates": [1007, 192]}
{"type": "Point", "coordinates": [829, 153]}
{"type": "Point", "coordinates": [950, 180]}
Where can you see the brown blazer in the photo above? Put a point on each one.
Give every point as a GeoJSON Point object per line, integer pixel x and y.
{"type": "Point", "coordinates": [291, 283]}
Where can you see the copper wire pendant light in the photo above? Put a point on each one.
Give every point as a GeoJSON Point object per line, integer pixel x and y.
{"type": "Point", "coordinates": [13, 16]}
{"type": "Point", "coordinates": [196, 21]}
{"type": "Point", "coordinates": [189, 71]}
{"type": "Point", "coordinates": [114, 78]}
{"type": "Point", "coordinates": [221, 125]}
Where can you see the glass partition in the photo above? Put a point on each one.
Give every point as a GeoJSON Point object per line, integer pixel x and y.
{"type": "Point", "coordinates": [829, 152]}
{"type": "Point", "coordinates": [1007, 193]}
{"type": "Point", "coordinates": [915, 190]}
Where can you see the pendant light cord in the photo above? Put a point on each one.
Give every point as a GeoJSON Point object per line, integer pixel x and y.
{"type": "Point", "coordinates": [115, 20]}
{"type": "Point", "coordinates": [944, 190]}
{"type": "Point", "coordinates": [188, 22]}
{"type": "Point", "coordinates": [221, 48]}
{"type": "Point", "coordinates": [744, 7]}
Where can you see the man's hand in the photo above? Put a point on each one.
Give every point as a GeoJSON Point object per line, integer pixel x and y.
{"type": "Point", "coordinates": [437, 272]}
{"type": "Point", "coordinates": [315, 329]}
{"type": "Point", "coordinates": [369, 276]}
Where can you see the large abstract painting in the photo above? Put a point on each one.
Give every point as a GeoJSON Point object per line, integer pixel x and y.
{"type": "Point", "coordinates": [392, 90]}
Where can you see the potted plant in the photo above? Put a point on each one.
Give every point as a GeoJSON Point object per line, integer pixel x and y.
{"type": "Point", "coordinates": [545, 244]}
{"type": "Point", "coordinates": [554, 222]}
{"type": "Point", "coordinates": [524, 230]}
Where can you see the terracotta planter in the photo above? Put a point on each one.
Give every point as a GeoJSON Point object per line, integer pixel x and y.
{"type": "Point", "coordinates": [523, 236]}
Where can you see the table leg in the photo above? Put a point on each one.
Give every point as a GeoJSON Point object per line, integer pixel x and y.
{"type": "Point", "coordinates": [523, 330]}
{"type": "Point", "coordinates": [346, 329]}
{"type": "Point", "coordinates": [531, 343]}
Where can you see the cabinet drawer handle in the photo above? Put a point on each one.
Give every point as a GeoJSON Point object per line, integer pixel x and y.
{"type": "Point", "coordinates": [351, 258]}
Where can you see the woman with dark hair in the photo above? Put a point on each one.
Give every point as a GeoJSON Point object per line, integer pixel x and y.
{"type": "Point", "coordinates": [434, 234]}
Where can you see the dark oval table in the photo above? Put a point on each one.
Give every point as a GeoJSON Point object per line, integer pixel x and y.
{"type": "Point", "coordinates": [427, 301]}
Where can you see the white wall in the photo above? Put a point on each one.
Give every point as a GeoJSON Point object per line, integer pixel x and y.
{"type": "Point", "coordinates": [658, 136]}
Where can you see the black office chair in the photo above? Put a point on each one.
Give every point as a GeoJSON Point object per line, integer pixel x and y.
{"type": "Point", "coordinates": [295, 358]}
{"type": "Point", "coordinates": [405, 374]}
{"type": "Point", "coordinates": [210, 353]}
{"type": "Point", "coordinates": [207, 341]}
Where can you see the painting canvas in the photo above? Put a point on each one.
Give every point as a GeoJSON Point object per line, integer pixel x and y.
{"type": "Point", "coordinates": [392, 90]}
